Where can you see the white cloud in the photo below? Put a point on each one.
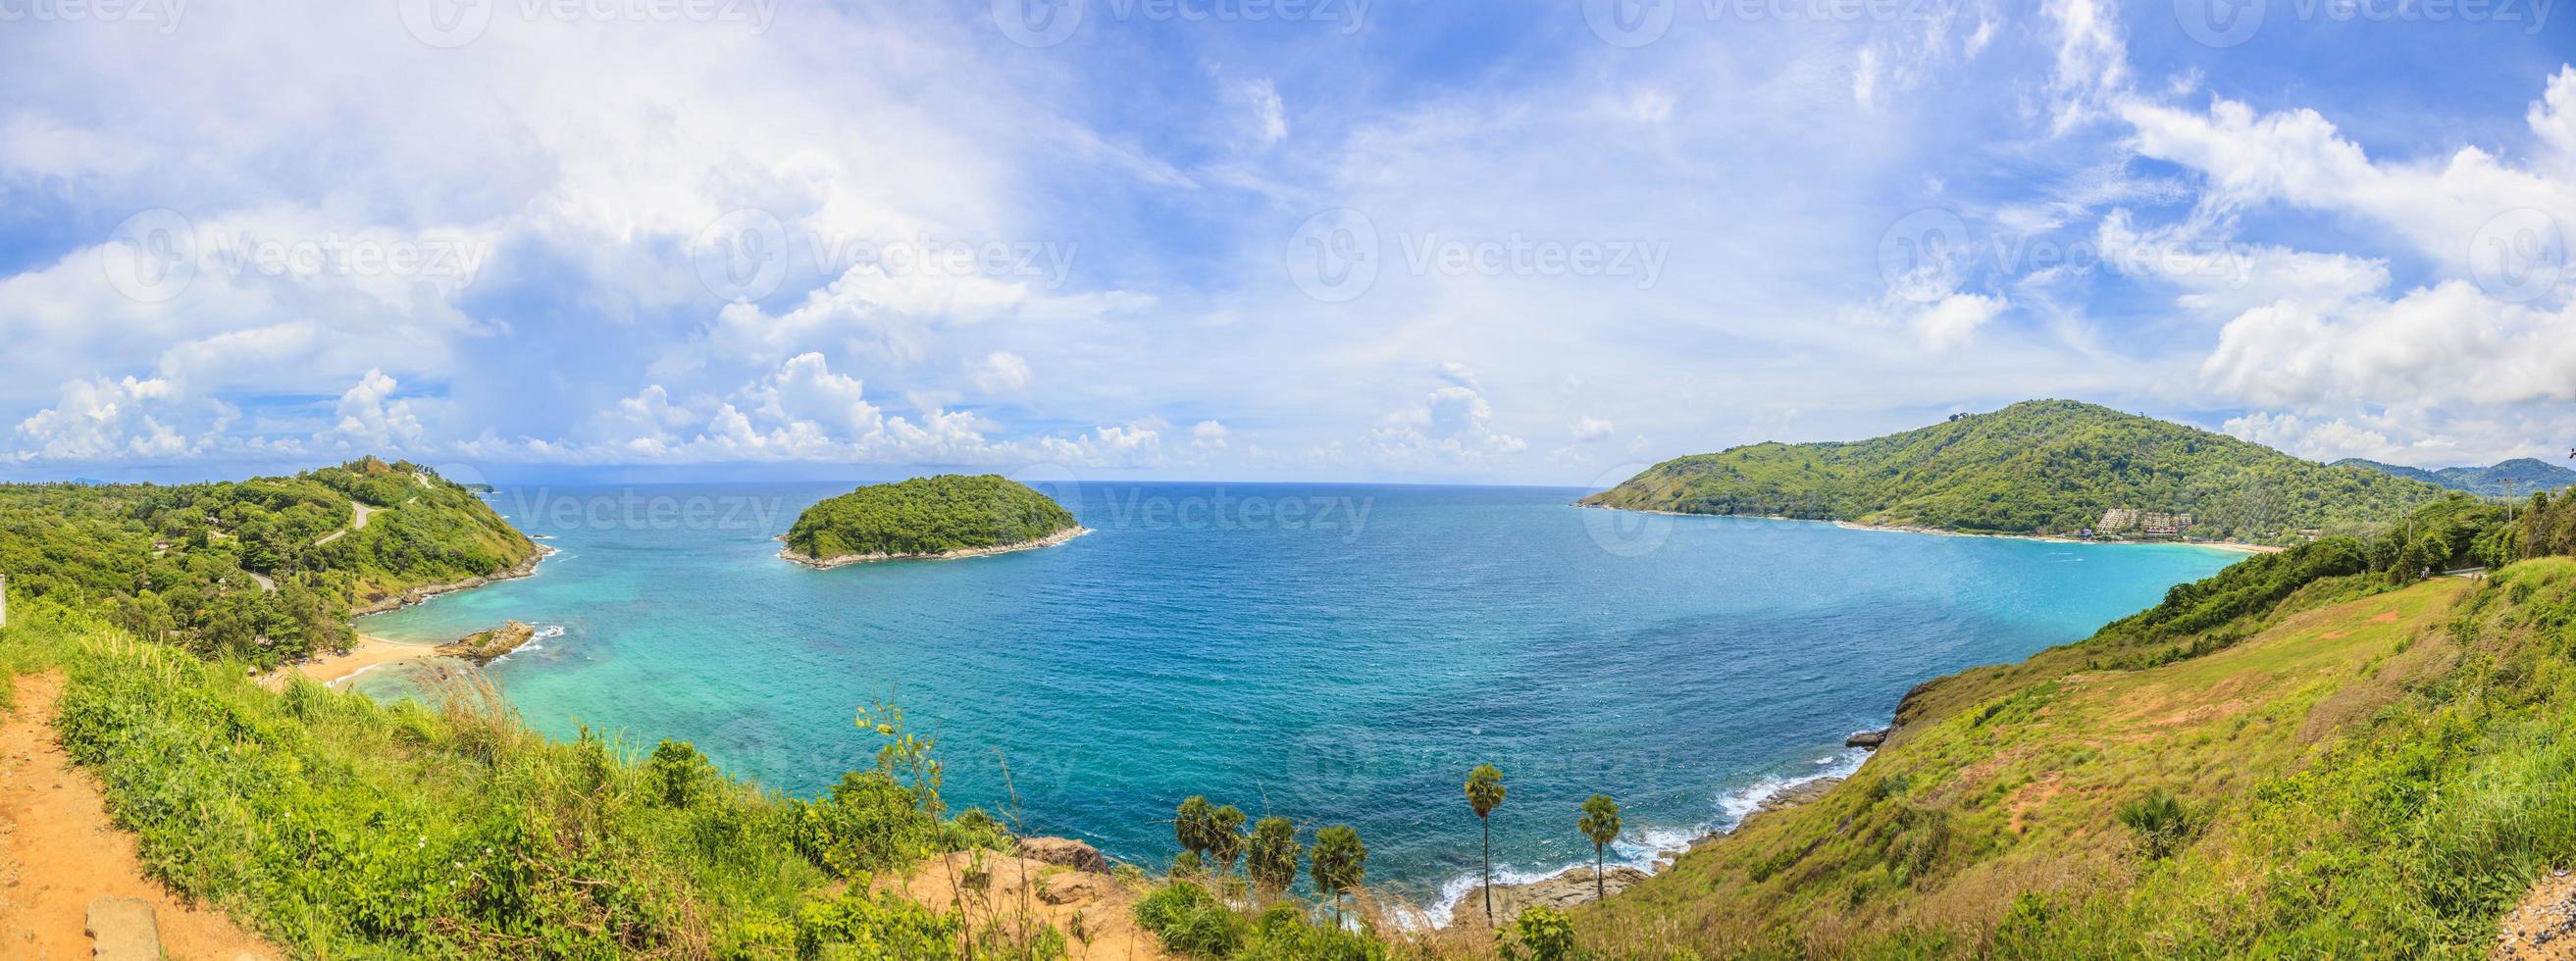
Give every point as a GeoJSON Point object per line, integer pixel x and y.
{"type": "Point", "coordinates": [1590, 429]}
{"type": "Point", "coordinates": [371, 420]}
{"type": "Point", "coordinates": [1001, 372]}
{"type": "Point", "coordinates": [104, 419]}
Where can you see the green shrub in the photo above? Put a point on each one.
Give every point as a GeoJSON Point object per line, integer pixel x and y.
{"type": "Point", "coordinates": [1191, 921]}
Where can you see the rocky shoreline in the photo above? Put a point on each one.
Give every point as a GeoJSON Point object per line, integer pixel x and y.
{"type": "Point", "coordinates": [483, 647]}
{"type": "Point", "coordinates": [1574, 885]}
{"type": "Point", "coordinates": [824, 564]}
{"type": "Point", "coordinates": [414, 595]}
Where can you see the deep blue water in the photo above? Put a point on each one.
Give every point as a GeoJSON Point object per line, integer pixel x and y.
{"type": "Point", "coordinates": [1346, 664]}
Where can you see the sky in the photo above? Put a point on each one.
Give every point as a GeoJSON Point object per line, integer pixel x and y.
{"type": "Point", "coordinates": [1362, 240]}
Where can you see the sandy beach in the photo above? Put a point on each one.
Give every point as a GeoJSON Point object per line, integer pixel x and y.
{"type": "Point", "coordinates": [371, 652]}
{"type": "Point", "coordinates": [1050, 540]}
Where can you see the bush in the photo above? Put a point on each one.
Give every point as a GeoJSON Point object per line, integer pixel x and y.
{"type": "Point", "coordinates": [1191, 921]}
{"type": "Point", "coordinates": [1544, 934]}
{"type": "Point", "coordinates": [2163, 824]}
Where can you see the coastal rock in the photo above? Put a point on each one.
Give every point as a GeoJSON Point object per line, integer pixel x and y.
{"type": "Point", "coordinates": [1792, 796]}
{"type": "Point", "coordinates": [1562, 890]}
{"type": "Point", "coordinates": [1065, 852]}
{"type": "Point", "coordinates": [1869, 739]}
{"type": "Point", "coordinates": [483, 646]}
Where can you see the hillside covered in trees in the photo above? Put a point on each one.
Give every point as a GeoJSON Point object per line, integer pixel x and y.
{"type": "Point", "coordinates": [927, 516]}
{"type": "Point", "coordinates": [265, 569]}
{"type": "Point", "coordinates": [2037, 467]}
{"type": "Point", "coordinates": [2521, 475]}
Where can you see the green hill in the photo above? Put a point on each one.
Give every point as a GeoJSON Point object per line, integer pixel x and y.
{"type": "Point", "coordinates": [2037, 467]}
{"type": "Point", "coordinates": [2522, 475]}
{"type": "Point", "coordinates": [2311, 754]}
{"type": "Point", "coordinates": [265, 569]}
{"type": "Point", "coordinates": [927, 516]}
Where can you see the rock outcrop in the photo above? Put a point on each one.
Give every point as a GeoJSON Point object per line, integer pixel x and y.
{"type": "Point", "coordinates": [482, 646]}
{"type": "Point", "coordinates": [1560, 891]}
{"type": "Point", "coordinates": [1065, 852]}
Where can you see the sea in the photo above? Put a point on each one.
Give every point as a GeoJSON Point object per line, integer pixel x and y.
{"type": "Point", "coordinates": [1335, 654]}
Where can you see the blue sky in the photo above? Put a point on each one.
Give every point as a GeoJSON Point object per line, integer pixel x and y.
{"type": "Point", "coordinates": [1349, 240]}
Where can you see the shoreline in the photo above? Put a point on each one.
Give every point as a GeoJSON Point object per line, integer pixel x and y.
{"type": "Point", "coordinates": [2230, 546]}
{"type": "Point", "coordinates": [372, 652]}
{"type": "Point", "coordinates": [1051, 540]}
{"type": "Point", "coordinates": [1573, 884]}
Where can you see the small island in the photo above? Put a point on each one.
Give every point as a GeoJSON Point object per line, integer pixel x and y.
{"type": "Point", "coordinates": [927, 518]}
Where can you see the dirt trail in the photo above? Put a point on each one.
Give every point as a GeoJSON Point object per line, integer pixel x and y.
{"type": "Point", "coordinates": [58, 852]}
{"type": "Point", "coordinates": [2543, 928]}
{"type": "Point", "coordinates": [359, 521]}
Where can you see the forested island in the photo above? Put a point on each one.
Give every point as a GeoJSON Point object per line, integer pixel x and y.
{"type": "Point", "coordinates": [2037, 467]}
{"type": "Point", "coordinates": [949, 515]}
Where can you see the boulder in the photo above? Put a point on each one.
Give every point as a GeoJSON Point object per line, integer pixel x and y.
{"type": "Point", "coordinates": [1869, 739]}
{"type": "Point", "coordinates": [122, 929]}
{"type": "Point", "coordinates": [1065, 852]}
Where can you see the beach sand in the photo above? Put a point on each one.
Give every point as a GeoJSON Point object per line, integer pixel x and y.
{"type": "Point", "coordinates": [370, 653]}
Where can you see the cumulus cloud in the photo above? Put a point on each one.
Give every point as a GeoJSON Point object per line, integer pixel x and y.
{"type": "Point", "coordinates": [371, 419]}
{"type": "Point", "coordinates": [1590, 429]}
{"type": "Point", "coordinates": [1453, 422]}
{"type": "Point", "coordinates": [102, 419]}
{"type": "Point", "coordinates": [1002, 372]}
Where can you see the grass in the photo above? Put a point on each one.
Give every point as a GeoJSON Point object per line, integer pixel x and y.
{"type": "Point", "coordinates": [2363, 776]}
{"type": "Point", "coordinates": [339, 827]}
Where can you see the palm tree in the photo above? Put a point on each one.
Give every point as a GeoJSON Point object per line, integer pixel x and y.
{"type": "Point", "coordinates": [1484, 794]}
{"type": "Point", "coordinates": [1272, 861]}
{"type": "Point", "coordinates": [1225, 836]}
{"type": "Point", "coordinates": [1190, 825]}
{"type": "Point", "coordinates": [1340, 862]}
{"type": "Point", "coordinates": [1600, 822]}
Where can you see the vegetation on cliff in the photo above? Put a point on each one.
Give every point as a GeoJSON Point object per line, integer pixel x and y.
{"type": "Point", "coordinates": [2513, 478]}
{"type": "Point", "coordinates": [927, 516]}
{"type": "Point", "coordinates": [2038, 467]}
{"type": "Point", "coordinates": [264, 569]}
{"type": "Point", "coordinates": [2317, 753]}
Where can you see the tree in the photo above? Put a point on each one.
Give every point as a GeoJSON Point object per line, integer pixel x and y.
{"type": "Point", "coordinates": [1484, 794]}
{"type": "Point", "coordinates": [1190, 825]}
{"type": "Point", "coordinates": [1340, 863]}
{"type": "Point", "coordinates": [1225, 837]}
{"type": "Point", "coordinates": [1273, 855]}
{"type": "Point", "coordinates": [1600, 822]}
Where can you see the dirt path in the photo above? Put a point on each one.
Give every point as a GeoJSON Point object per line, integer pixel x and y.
{"type": "Point", "coordinates": [2543, 928]}
{"type": "Point", "coordinates": [58, 853]}
{"type": "Point", "coordinates": [357, 523]}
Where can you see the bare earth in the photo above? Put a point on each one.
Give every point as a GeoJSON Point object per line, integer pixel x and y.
{"type": "Point", "coordinates": [1020, 894]}
{"type": "Point", "coordinates": [58, 853]}
{"type": "Point", "coordinates": [2543, 928]}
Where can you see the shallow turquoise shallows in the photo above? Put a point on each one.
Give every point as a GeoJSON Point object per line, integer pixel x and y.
{"type": "Point", "coordinates": [1336, 654]}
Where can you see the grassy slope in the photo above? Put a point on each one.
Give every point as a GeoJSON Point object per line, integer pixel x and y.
{"type": "Point", "coordinates": [2037, 466]}
{"type": "Point", "coordinates": [2377, 772]}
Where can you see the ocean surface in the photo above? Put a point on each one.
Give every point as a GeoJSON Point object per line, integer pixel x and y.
{"type": "Point", "coordinates": [1335, 654]}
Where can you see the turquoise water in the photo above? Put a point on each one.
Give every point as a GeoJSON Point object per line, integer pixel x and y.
{"type": "Point", "coordinates": [1346, 664]}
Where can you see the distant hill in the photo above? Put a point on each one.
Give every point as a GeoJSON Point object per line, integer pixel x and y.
{"type": "Point", "coordinates": [2037, 467]}
{"type": "Point", "coordinates": [2516, 477]}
